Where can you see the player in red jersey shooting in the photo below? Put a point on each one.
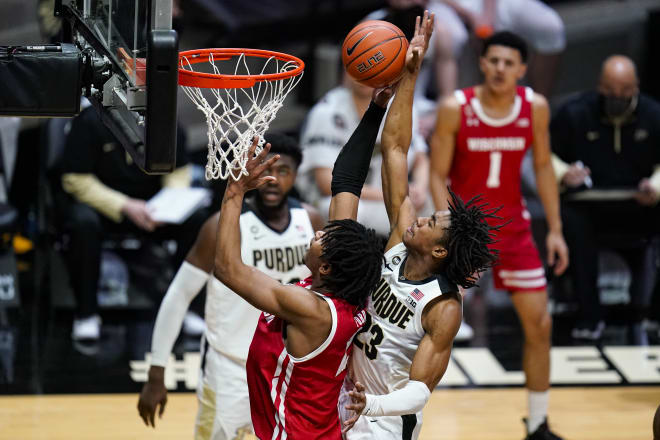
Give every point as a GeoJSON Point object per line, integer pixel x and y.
{"type": "Point", "coordinates": [480, 138]}
{"type": "Point", "coordinates": [299, 353]}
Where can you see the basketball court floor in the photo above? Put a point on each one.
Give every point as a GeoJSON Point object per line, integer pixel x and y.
{"type": "Point", "coordinates": [578, 413]}
{"type": "Point", "coordinates": [54, 389]}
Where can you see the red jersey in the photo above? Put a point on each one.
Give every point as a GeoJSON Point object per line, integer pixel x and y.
{"type": "Point", "coordinates": [296, 398]}
{"type": "Point", "coordinates": [489, 152]}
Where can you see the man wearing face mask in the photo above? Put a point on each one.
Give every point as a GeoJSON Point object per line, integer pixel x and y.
{"type": "Point", "coordinates": [609, 140]}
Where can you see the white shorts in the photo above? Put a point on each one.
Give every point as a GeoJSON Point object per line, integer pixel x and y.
{"type": "Point", "coordinates": [405, 427]}
{"type": "Point", "coordinates": [222, 394]}
{"type": "Point", "coordinates": [386, 428]}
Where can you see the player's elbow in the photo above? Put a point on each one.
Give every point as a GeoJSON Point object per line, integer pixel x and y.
{"type": "Point", "coordinates": [226, 270]}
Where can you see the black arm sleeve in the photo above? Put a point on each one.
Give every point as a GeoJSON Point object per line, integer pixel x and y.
{"type": "Point", "coordinates": [352, 164]}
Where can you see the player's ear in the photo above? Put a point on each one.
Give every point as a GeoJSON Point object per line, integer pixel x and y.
{"type": "Point", "coordinates": [482, 63]}
{"type": "Point", "coordinates": [439, 252]}
{"type": "Point", "coordinates": [522, 71]}
{"type": "Point", "coordinates": [325, 269]}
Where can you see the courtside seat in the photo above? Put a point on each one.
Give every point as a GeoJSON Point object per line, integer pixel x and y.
{"type": "Point", "coordinates": [53, 239]}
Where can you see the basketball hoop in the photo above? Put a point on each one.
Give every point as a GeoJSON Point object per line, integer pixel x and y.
{"type": "Point", "coordinates": [240, 104]}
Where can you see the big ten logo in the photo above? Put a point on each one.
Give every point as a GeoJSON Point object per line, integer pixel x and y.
{"type": "Point", "coordinates": [176, 371]}
{"type": "Point", "coordinates": [370, 62]}
{"type": "Point", "coordinates": [7, 289]}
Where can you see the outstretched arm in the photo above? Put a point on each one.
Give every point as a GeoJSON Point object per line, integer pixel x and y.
{"type": "Point", "coordinates": [397, 135]}
{"type": "Point", "coordinates": [352, 164]}
{"type": "Point", "coordinates": [294, 304]}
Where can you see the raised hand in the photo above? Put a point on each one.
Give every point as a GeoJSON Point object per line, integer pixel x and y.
{"type": "Point", "coordinates": [255, 167]}
{"type": "Point", "coordinates": [420, 41]}
{"type": "Point", "coordinates": [382, 96]}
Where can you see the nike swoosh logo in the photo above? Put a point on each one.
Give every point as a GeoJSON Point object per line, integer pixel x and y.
{"type": "Point", "coordinates": [349, 50]}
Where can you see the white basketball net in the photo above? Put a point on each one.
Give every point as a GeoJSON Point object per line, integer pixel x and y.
{"type": "Point", "coordinates": [235, 116]}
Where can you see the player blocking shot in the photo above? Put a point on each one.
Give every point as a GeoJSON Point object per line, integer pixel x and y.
{"type": "Point", "coordinates": [299, 353]}
{"type": "Point", "coordinates": [276, 230]}
{"type": "Point", "coordinates": [413, 315]}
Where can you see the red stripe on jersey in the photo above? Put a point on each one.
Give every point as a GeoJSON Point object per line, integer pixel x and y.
{"type": "Point", "coordinates": [297, 398]}
{"type": "Point", "coordinates": [488, 155]}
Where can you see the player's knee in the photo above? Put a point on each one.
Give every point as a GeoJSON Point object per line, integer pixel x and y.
{"type": "Point", "coordinates": [540, 329]}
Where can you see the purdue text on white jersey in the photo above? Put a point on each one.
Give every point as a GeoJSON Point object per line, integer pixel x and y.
{"type": "Point", "coordinates": [230, 320]}
{"type": "Point", "coordinates": [386, 345]}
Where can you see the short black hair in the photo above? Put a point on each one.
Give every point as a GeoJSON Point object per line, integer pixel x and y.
{"type": "Point", "coordinates": [280, 143]}
{"type": "Point", "coordinates": [508, 39]}
{"type": "Point", "coordinates": [355, 256]}
{"type": "Point", "coordinates": [468, 238]}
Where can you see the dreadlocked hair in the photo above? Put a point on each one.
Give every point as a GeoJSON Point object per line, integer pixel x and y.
{"type": "Point", "coordinates": [468, 238]}
{"type": "Point", "coordinates": [355, 256]}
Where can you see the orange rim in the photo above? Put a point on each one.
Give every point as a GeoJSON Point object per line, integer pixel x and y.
{"type": "Point", "coordinates": [189, 78]}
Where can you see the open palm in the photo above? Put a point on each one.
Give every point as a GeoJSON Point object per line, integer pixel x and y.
{"type": "Point", "coordinates": [420, 41]}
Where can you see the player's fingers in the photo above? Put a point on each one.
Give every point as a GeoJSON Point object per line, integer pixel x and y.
{"type": "Point", "coordinates": [563, 262]}
{"type": "Point", "coordinates": [264, 180]}
{"type": "Point", "coordinates": [359, 386]}
{"type": "Point", "coordinates": [417, 25]}
{"type": "Point", "coordinates": [162, 408]}
{"type": "Point", "coordinates": [266, 164]}
{"type": "Point", "coordinates": [264, 152]}
{"type": "Point", "coordinates": [351, 421]}
{"type": "Point", "coordinates": [551, 257]}
{"type": "Point", "coordinates": [152, 417]}
{"type": "Point", "coordinates": [142, 414]}
{"type": "Point", "coordinates": [253, 146]}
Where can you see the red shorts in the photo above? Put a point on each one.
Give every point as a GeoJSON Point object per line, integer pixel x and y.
{"type": "Point", "coordinates": [518, 266]}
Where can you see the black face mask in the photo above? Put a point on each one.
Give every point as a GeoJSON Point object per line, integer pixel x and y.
{"type": "Point", "coordinates": [616, 107]}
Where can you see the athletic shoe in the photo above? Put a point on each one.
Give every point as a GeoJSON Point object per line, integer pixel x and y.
{"type": "Point", "coordinates": [542, 432]}
{"type": "Point", "coordinates": [465, 333]}
{"type": "Point", "coordinates": [590, 331]}
{"type": "Point", "coordinates": [86, 329]}
{"type": "Point", "coordinates": [193, 324]}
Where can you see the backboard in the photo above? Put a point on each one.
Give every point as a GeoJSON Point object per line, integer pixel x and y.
{"type": "Point", "coordinates": [134, 57]}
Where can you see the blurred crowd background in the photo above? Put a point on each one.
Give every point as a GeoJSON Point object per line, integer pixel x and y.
{"type": "Point", "coordinates": [569, 41]}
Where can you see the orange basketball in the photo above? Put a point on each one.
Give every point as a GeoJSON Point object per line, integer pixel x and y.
{"type": "Point", "coordinates": [374, 53]}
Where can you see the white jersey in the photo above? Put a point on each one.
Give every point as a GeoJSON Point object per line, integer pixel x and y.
{"type": "Point", "coordinates": [385, 347]}
{"type": "Point", "coordinates": [230, 320]}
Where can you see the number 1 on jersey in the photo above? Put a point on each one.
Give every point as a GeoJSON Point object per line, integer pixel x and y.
{"type": "Point", "coordinates": [494, 169]}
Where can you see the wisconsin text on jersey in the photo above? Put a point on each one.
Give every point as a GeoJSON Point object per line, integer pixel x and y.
{"type": "Point", "coordinates": [496, 144]}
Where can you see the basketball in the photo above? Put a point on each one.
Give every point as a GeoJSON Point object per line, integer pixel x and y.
{"type": "Point", "coordinates": [374, 53]}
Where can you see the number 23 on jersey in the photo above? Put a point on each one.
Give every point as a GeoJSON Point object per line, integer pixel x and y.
{"type": "Point", "coordinates": [369, 338]}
